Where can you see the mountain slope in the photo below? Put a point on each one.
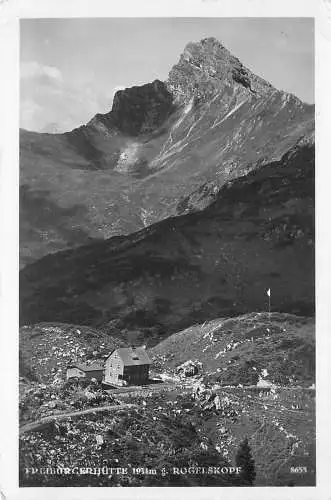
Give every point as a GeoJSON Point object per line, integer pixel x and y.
{"type": "Point", "coordinates": [245, 349]}
{"type": "Point", "coordinates": [257, 233]}
{"type": "Point", "coordinates": [211, 121]}
{"type": "Point", "coordinates": [46, 349]}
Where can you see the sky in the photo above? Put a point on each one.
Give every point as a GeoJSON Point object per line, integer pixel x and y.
{"type": "Point", "coordinates": [70, 68]}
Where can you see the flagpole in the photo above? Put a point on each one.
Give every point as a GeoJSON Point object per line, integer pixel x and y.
{"type": "Point", "coordinates": [269, 306]}
{"type": "Point", "coordinates": [269, 301]}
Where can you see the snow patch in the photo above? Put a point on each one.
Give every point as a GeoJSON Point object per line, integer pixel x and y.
{"type": "Point", "coordinates": [128, 157]}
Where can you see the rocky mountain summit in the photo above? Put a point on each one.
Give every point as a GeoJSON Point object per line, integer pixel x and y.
{"type": "Point", "coordinates": [211, 121]}
{"type": "Point", "coordinates": [208, 68]}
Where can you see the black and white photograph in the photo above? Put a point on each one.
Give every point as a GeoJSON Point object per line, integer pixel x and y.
{"type": "Point", "coordinates": [167, 252]}
{"type": "Point", "coordinates": [167, 294]}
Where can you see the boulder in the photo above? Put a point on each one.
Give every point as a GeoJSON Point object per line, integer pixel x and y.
{"type": "Point", "coordinates": [265, 383]}
{"type": "Point", "coordinates": [217, 402]}
{"type": "Point", "coordinates": [99, 439]}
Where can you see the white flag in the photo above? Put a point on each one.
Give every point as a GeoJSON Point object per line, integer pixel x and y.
{"type": "Point", "coordinates": [269, 292]}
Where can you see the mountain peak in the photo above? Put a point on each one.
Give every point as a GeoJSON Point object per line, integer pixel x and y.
{"type": "Point", "coordinates": [138, 109]}
{"type": "Point", "coordinates": [209, 47]}
{"type": "Point", "coordinates": [208, 67]}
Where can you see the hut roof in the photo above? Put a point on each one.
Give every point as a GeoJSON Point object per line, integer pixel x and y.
{"type": "Point", "coordinates": [87, 367]}
{"type": "Point", "coordinates": [133, 356]}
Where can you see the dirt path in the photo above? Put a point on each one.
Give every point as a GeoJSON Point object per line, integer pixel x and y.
{"type": "Point", "coordinates": [38, 424]}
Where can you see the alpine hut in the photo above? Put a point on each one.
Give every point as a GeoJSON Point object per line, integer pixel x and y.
{"type": "Point", "coordinates": [127, 365]}
{"type": "Point", "coordinates": [87, 371]}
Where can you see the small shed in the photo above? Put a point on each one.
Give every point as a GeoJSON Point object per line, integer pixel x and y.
{"type": "Point", "coordinates": [127, 365]}
{"type": "Point", "coordinates": [88, 371]}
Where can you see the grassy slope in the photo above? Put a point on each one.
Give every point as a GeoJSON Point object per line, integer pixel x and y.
{"type": "Point", "coordinates": [64, 200]}
{"type": "Point", "coordinates": [236, 350]}
{"type": "Point", "coordinates": [257, 234]}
